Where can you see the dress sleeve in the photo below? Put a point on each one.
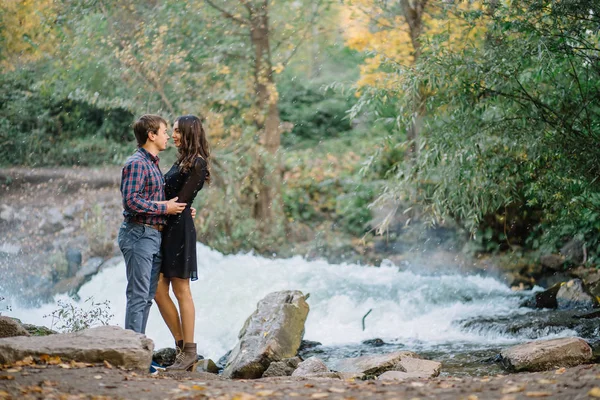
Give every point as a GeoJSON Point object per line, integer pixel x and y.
{"type": "Point", "coordinates": [194, 181]}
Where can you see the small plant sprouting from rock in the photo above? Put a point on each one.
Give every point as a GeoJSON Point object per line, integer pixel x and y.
{"type": "Point", "coordinates": [72, 318]}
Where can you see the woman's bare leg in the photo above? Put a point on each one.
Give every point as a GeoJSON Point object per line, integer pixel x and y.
{"type": "Point", "coordinates": [181, 288]}
{"type": "Point", "coordinates": [167, 308]}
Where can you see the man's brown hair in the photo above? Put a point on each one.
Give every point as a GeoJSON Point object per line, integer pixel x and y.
{"type": "Point", "coordinates": [147, 123]}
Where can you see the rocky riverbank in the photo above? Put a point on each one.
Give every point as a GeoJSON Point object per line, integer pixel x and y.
{"type": "Point", "coordinates": [109, 362]}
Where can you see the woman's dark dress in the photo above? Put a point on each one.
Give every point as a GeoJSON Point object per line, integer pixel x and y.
{"type": "Point", "coordinates": [179, 237]}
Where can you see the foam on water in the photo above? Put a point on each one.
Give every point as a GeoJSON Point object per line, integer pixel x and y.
{"type": "Point", "coordinates": [406, 307]}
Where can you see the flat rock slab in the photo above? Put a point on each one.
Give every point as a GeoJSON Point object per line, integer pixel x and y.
{"type": "Point", "coordinates": [542, 355]}
{"type": "Point", "coordinates": [373, 365]}
{"type": "Point", "coordinates": [118, 346]}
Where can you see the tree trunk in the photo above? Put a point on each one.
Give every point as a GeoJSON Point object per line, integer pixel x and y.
{"type": "Point", "coordinates": [413, 14]}
{"type": "Point", "coordinates": [266, 119]}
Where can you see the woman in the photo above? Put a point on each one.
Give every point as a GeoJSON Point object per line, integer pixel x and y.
{"type": "Point", "coordinates": [184, 180]}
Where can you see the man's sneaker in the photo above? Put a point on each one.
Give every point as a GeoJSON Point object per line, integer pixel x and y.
{"type": "Point", "coordinates": [155, 368]}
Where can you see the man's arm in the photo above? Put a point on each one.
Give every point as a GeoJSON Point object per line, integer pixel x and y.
{"type": "Point", "coordinates": [132, 183]}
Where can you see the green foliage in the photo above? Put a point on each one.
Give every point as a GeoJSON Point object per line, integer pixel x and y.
{"type": "Point", "coordinates": [71, 318]}
{"type": "Point", "coordinates": [38, 129]}
{"type": "Point", "coordinates": [510, 133]}
{"type": "Point", "coordinates": [316, 113]}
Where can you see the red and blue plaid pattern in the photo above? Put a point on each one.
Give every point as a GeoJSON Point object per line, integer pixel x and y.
{"type": "Point", "coordinates": [142, 184]}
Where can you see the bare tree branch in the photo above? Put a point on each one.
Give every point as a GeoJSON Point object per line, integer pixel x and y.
{"type": "Point", "coordinates": [227, 14]}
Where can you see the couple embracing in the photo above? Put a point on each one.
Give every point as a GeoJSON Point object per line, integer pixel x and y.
{"type": "Point", "coordinates": [157, 237]}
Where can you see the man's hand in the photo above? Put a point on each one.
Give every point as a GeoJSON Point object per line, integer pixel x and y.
{"type": "Point", "coordinates": [193, 212]}
{"type": "Point", "coordinates": [173, 207]}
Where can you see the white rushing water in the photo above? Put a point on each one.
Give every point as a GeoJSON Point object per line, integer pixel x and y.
{"type": "Point", "coordinates": [406, 307]}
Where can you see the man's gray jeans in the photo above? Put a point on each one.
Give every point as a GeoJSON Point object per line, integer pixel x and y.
{"type": "Point", "coordinates": [140, 246]}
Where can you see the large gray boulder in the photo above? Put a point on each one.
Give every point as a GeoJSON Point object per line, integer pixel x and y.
{"type": "Point", "coordinates": [116, 345]}
{"type": "Point", "coordinates": [273, 332]}
{"type": "Point", "coordinates": [10, 327]}
{"type": "Point", "coordinates": [542, 355]}
{"type": "Point", "coordinates": [375, 364]}
{"type": "Point", "coordinates": [573, 295]}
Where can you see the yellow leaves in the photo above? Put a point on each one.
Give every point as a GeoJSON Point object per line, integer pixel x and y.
{"type": "Point", "coordinates": [223, 70]}
{"type": "Point", "coordinates": [278, 68]}
{"type": "Point", "coordinates": [594, 392]}
{"type": "Point", "coordinates": [387, 33]}
{"type": "Point", "coordinates": [513, 389]}
{"type": "Point", "coordinates": [538, 394]}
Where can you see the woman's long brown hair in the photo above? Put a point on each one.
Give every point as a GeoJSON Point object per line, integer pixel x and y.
{"type": "Point", "coordinates": [193, 143]}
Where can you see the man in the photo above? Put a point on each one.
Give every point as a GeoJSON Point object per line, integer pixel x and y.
{"type": "Point", "coordinates": [145, 211]}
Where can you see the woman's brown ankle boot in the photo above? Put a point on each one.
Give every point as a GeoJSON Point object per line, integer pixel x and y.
{"type": "Point", "coordinates": [178, 347]}
{"type": "Point", "coordinates": [186, 360]}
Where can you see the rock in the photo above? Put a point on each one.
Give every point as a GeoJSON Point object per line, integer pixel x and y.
{"type": "Point", "coordinates": [74, 258]}
{"type": "Point", "coordinates": [374, 342]}
{"type": "Point", "coordinates": [73, 208]}
{"type": "Point", "coordinates": [552, 261]}
{"type": "Point", "coordinates": [308, 344]}
{"type": "Point", "coordinates": [375, 364]}
{"type": "Point", "coordinates": [7, 213]}
{"type": "Point", "coordinates": [419, 367]}
{"type": "Point", "coordinates": [10, 248]}
{"type": "Point", "coordinates": [573, 251]}
{"type": "Point", "coordinates": [164, 357]}
{"type": "Point", "coordinates": [69, 286]}
{"type": "Point", "coordinates": [273, 332]}
{"type": "Point", "coordinates": [543, 355]}
{"type": "Point", "coordinates": [91, 266]}
{"type": "Point", "coordinates": [118, 346]}
{"type": "Point", "coordinates": [572, 295]}
{"type": "Point", "coordinates": [10, 327]}
{"type": "Point", "coordinates": [35, 330]}
{"type": "Point", "coordinates": [545, 299]}
{"type": "Point", "coordinates": [310, 366]}
{"type": "Point", "coordinates": [53, 221]}
{"type": "Point", "coordinates": [207, 365]}
{"type": "Point", "coordinates": [282, 368]}
{"type": "Point", "coordinates": [323, 375]}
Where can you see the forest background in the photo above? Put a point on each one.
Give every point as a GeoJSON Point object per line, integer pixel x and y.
{"type": "Point", "coordinates": [331, 121]}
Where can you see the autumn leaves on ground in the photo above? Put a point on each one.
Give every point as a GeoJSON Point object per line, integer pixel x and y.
{"type": "Point", "coordinates": [50, 378]}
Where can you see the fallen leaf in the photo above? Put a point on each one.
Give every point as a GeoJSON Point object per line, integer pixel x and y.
{"type": "Point", "coordinates": [538, 394]}
{"type": "Point", "coordinates": [417, 384]}
{"type": "Point", "coordinates": [560, 371]}
{"type": "Point", "coordinates": [97, 376]}
{"type": "Point", "coordinates": [198, 387]}
{"type": "Point", "coordinates": [472, 397]}
{"type": "Point", "coordinates": [309, 385]}
{"type": "Point", "coordinates": [319, 395]}
{"type": "Point", "coordinates": [6, 377]}
{"type": "Point", "coordinates": [243, 396]}
{"type": "Point", "coordinates": [107, 364]}
{"type": "Point", "coordinates": [547, 381]}
{"type": "Point", "coordinates": [76, 364]}
{"type": "Point", "coordinates": [513, 389]}
{"type": "Point", "coordinates": [265, 393]}
{"type": "Point", "coordinates": [18, 369]}
{"type": "Point", "coordinates": [54, 360]}
{"type": "Point", "coordinates": [337, 390]}
{"type": "Point", "coordinates": [65, 366]}
{"type": "Point", "coordinates": [259, 386]}
{"type": "Point", "coordinates": [594, 392]}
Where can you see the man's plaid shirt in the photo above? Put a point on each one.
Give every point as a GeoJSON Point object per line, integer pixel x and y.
{"type": "Point", "coordinates": [142, 184]}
